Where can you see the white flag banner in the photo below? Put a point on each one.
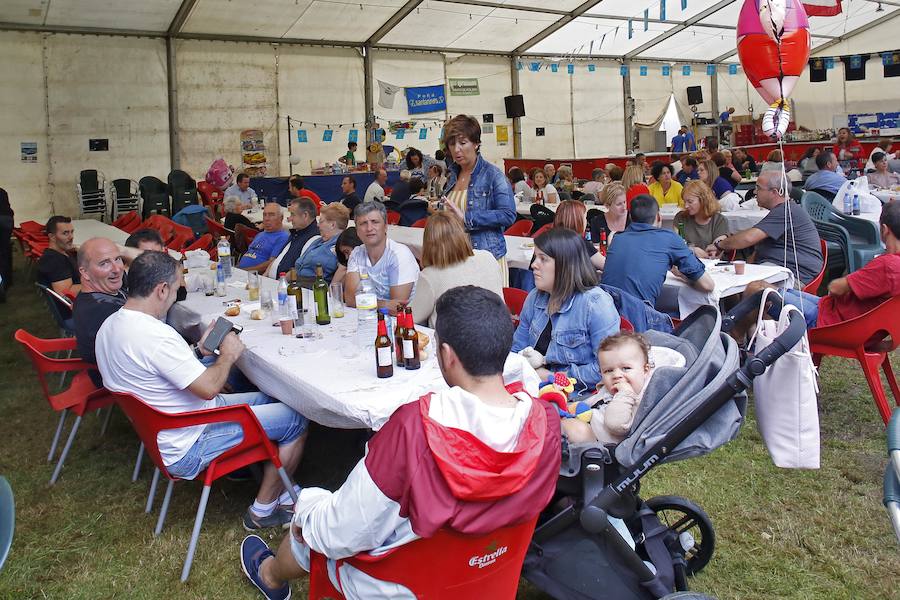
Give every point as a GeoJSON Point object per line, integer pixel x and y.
{"type": "Point", "coordinates": [386, 93]}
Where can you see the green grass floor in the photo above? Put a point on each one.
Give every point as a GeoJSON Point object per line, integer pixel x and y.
{"type": "Point", "coordinates": [780, 534]}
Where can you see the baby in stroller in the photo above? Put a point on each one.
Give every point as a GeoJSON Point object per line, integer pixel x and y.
{"type": "Point", "coordinates": [607, 416]}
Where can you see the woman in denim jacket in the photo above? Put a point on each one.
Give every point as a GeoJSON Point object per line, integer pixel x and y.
{"type": "Point", "coordinates": [322, 250]}
{"type": "Point", "coordinates": [477, 191]}
{"type": "Point", "coordinates": [566, 316]}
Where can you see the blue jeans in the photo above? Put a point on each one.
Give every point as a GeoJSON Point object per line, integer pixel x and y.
{"type": "Point", "coordinates": [809, 307]}
{"type": "Point", "coordinates": [281, 423]}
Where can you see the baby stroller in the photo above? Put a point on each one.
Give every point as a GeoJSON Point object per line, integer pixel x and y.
{"type": "Point", "coordinates": [576, 552]}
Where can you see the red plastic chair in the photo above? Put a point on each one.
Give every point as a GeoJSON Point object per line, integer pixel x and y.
{"type": "Point", "coordinates": [447, 566]}
{"type": "Point", "coordinates": [546, 227]}
{"type": "Point", "coordinates": [393, 217]}
{"type": "Point", "coordinates": [520, 228]}
{"type": "Point", "coordinates": [31, 226]}
{"type": "Point", "coordinates": [856, 338]}
{"type": "Point", "coordinates": [515, 300]}
{"type": "Point", "coordinates": [125, 220]}
{"type": "Point", "coordinates": [204, 242]}
{"type": "Point", "coordinates": [255, 447]}
{"type": "Point", "coordinates": [181, 237]}
{"type": "Point", "coordinates": [243, 235]}
{"type": "Point", "coordinates": [212, 196]}
{"type": "Point", "coordinates": [813, 286]}
{"type": "Point", "coordinates": [81, 397]}
{"type": "Point", "coordinates": [420, 223]}
{"type": "Point", "coordinates": [625, 324]}
{"type": "Point", "coordinates": [218, 230]}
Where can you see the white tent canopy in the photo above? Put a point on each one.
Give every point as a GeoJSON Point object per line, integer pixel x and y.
{"type": "Point", "coordinates": [172, 83]}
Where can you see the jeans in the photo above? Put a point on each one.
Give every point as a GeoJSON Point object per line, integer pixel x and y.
{"type": "Point", "coordinates": [237, 381]}
{"type": "Point", "coordinates": [809, 306]}
{"type": "Point", "coordinates": [281, 423]}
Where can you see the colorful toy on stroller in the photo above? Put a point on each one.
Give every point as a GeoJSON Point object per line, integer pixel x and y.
{"type": "Point", "coordinates": [580, 549]}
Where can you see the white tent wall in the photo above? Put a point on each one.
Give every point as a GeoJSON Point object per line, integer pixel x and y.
{"type": "Point", "coordinates": [734, 90]}
{"type": "Point", "coordinates": [680, 84]}
{"type": "Point", "coordinates": [23, 118]}
{"type": "Point", "coordinates": [493, 74]}
{"type": "Point", "coordinates": [407, 69]}
{"type": "Point", "coordinates": [323, 86]}
{"type": "Point", "coordinates": [599, 111]}
{"type": "Point", "coordinates": [224, 88]}
{"type": "Point", "coordinates": [651, 93]}
{"type": "Point", "coordinates": [547, 97]}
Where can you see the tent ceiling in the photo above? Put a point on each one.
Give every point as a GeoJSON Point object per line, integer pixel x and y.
{"type": "Point", "coordinates": [703, 31]}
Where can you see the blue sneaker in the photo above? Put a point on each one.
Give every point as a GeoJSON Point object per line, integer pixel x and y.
{"type": "Point", "coordinates": [253, 552]}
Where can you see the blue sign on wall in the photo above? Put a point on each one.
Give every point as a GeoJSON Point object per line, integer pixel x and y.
{"type": "Point", "coordinates": [301, 136]}
{"type": "Point", "coordinates": [425, 99]}
{"type": "Point", "coordinates": [354, 135]}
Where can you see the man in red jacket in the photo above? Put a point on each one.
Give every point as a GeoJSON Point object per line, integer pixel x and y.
{"type": "Point", "coordinates": [474, 458]}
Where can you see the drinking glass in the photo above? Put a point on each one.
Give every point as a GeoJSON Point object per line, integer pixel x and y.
{"type": "Point", "coordinates": [337, 300]}
{"type": "Point", "coordinates": [253, 286]}
{"type": "Point", "coordinates": [266, 303]}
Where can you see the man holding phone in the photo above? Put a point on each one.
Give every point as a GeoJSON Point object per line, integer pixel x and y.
{"type": "Point", "coordinates": [138, 353]}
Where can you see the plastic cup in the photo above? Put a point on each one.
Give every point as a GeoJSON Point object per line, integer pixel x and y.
{"type": "Point", "coordinates": [739, 266]}
{"type": "Point", "coordinates": [287, 326]}
{"type": "Point", "coordinates": [336, 291]}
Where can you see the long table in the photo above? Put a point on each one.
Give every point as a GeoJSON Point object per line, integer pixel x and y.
{"type": "Point", "coordinates": [327, 187]}
{"type": "Point", "coordinates": [519, 250]}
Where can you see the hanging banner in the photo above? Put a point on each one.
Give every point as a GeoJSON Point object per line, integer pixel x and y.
{"type": "Point", "coordinates": [630, 29]}
{"type": "Point", "coordinates": [643, 71]}
{"type": "Point", "coordinates": [732, 69]}
{"type": "Point", "coordinates": [571, 69]}
{"type": "Point", "coordinates": [683, 5]}
{"type": "Point", "coordinates": [686, 70]}
{"type": "Point", "coordinates": [554, 67]}
{"type": "Point", "coordinates": [400, 134]}
{"type": "Point", "coordinates": [301, 136]}
{"type": "Point", "coordinates": [710, 70]}
{"type": "Point", "coordinates": [502, 135]}
{"type": "Point", "coordinates": [327, 135]}
{"type": "Point", "coordinates": [534, 67]}
{"type": "Point", "coordinates": [829, 62]}
{"type": "Point", "coordinates": [253, 153]}
{"type": "Point", "coordinates": [592, 68]}
{"type": "Point", "coordinates": [646, 19]}
{"type": "Point", "coordinates": [353, 136]}
{"type": "Point", "coordinates": [464, 87]}
{"type": "Point", "coordinates": [423, 133]}
{"type": "Point", "coordinates": [666, 70]}
{"type": "Point", "coordinates": [425, 99]}
{"type": "Point", "coordinates": [623, 70]}
{"type": "Point", "coordinates": [386, 93]}
{"type": "Point", "coordinates": [662, 10]}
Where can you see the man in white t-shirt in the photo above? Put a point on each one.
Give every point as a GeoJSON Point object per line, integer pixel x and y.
{"type": "Point", "coordinates": [139, 354]}
{"type": "Point", "coordinates": [375, 191]}
{"type": "Point", "coordinates": [390, 265]}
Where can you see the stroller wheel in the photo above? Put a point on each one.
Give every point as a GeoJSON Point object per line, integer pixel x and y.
{"type": "Point", "coordinates": [690, 523]}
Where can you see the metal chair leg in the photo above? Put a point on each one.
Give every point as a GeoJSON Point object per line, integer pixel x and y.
{"type": "Point", "coordinates": [165, 508]}
{"type": "Point", "coordinates": [65, 451]}
{"type": "Point", "coordinates": [137, 463]}
{"type": "Point", "coordinates": [152, 493]}
{"type": "Point", "coordinates": [288, 485]}
{"type": "Point", "coordinates": [195, 535]}
{"type": "Point", "coordinates": [106, 421]}
{"type": "Point", "coordinates": [62, 376]}
{"type": "Point", "coordinates": [62, 419]}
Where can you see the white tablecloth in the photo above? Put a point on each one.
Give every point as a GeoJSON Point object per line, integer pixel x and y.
{"type": "Point", "coordinates": [86, 229]}
{"type": "Point", "coordinates": [519, 250]}
{"type": "Point", "coordinates": [886, 195]}
{"type": "Point", "coordinates": [727, 283]}
{"type": "Point", "coordinates": [313, 376]}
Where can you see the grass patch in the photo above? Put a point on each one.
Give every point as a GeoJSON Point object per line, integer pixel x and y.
{"type": "Point", "coordinates": [780, 534]}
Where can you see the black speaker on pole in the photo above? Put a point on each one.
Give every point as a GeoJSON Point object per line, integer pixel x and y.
{"type": "Point", "coordinates": [515, 106]}
{"type": "Point", "coordinates": [695, 94]}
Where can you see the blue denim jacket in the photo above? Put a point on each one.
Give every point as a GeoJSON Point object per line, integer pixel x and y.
{"type": "Point", "coordinates": [584, 320]}
{"type": "Point", "coordinates": [490, 207]}
{"type": "Point", "coordinates": [319, 252]}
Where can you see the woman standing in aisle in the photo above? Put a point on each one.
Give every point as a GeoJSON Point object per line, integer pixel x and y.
{"type": "Point", "coordinates": [479, 193]}
{"type": "Point", "coordinates": [567, 315]}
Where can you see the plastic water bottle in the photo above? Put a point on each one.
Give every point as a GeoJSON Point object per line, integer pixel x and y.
{"type": "Point", "coordinates": [855, 204]}
{"type": "Point", "coordinates": [283, 308]}
{"type": "Point", "coordinates": [220, 280]}
{"type": "Point", "coordinates": [366, 312]}
{"type": "Point", "coordinates": [848, 203]}
{"type": "Point", "coordinates": [224, 250]}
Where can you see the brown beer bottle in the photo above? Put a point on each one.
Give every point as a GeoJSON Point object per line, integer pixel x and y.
{"type": "Point", "coordinates": [399, 332]}
{"type": "Point", "coordinates": [410, 342]}
{"type": "Point", "coordinates": [384, 364]}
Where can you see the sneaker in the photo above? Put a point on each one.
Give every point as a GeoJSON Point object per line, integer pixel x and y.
{"type": "Point", "coordinates": [253, 552]}
{"type": "Point", "coordinates": [279, 518]}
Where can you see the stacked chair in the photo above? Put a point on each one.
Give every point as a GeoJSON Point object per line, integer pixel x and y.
{"type": "Point", "coordinates": [91, 192]}
{"type": "Point", "coordinates": [860, 235]}
{"type": "Point", "coordinates": [212, 196]}
{"type": "Point", "coordinates": [124, 197]}
{"type": "Point", "coordinates": [155, 197]}
{"type": "Point", "coordinates": [183, 190]}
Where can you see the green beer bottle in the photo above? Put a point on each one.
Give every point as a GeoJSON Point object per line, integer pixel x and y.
{"type": "Point", "coordinates": [320, 295]}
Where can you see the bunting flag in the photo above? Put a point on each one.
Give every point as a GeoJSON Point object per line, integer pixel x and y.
{"type": "Point", "coordinates": [686, 70]}
{"type": "Point", "coordinates": [534, 67]}
{"type": "Point", "coordinates": [518, 65]}
{"type": "Point", "coordinates": [666, 70]}
{"type": "Point", "coordinates": [822, 8]}
{"type": "Point", "coordinates": [301, 136]}
{"type": "Point", "coordinates": [630, 29]}
{"type": "Point", "coordinates": [646, 19]}
{"type": "Point", "coordinates": [570, 68]}
{"type": "Point", "coordinates": [732, 69]}
{"type": "Point", "coordinates": [423, 133]}
{"type": "Point", "coordinates": [327, 135]}
{"type": "Point", "coordinates": [662, 10]}
{"type": "Point", "coordinates": [592, 68]}
{"type": "Point", "coordinates": [643, 71]}
{"type": "Point", "coordinates": [554, 67]}
{"type": "Point", "coordinates": [710, 70]}
{"type": "Point", "coordinates": [623, 70]}
{"type": "Point", "coordinates": [400, 133]}
{"type": "Point", "coordinates": [829, 62]}
{"type": "Point", "coordinates": [683, 5]}
{"type": "Point", "coordinates": [353, 135]}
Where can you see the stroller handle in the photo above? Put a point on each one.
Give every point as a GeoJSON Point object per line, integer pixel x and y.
{"type": "Point", "coordinates": [744, 307]}
{"type": "Point", "coordinates": [783, 343]}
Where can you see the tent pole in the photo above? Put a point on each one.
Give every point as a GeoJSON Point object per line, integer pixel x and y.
{"type": "Point", "coordinates": [367, 83]}
{"type": "Point", "coordinates": [572, 113]}
{"type": "Point", "coordinates": [628, 110]}
{"type": "Point", "coordinates": [517, 121]}
{"type": "Point", "coordinates": [714, 92]}
{"type": "Point", "coordinates": [172, 82]}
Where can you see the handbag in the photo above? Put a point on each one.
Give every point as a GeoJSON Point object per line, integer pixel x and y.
{"type": "Point", "coordinates": [787, 414]}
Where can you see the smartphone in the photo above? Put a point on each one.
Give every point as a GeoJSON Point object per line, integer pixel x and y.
{"type": "Point", "coordinates": [441, 202]}
{"type": "Point", "coordinates": [723, 263]}
{"type": "Point", "coordinates": [222, 328]}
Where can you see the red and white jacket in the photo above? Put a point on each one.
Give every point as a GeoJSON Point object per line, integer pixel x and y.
{"type": "Point", "coordinates": [446, 461]}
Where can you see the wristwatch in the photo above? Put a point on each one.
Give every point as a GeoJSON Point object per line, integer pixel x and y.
{"type": "Point", "coordinates": [197, 352]}
{"type": "Point", "coordinates": [716, 244]}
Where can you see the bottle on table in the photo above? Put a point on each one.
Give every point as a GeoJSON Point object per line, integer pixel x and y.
{"type": "Point", "coordinates": [223, 249]}
{"type": "Point", "coordinates": [603, 242]}
{"type": "Point", "coordinates": [366, 308]}
{"type": "Point", "coordinates": [384, 364]}
{"type": "Point", "coordinates": [681, 229]}
{"type": "Point", "coordinates": [296, 294]}
{"type": "Point", "coordinates": [399, 332]}
{"type": "Point", "coordinates": [320, 295]}
{"type": "Point", "coordinates": [410, 342]}
{"type": "Point", "coordinates": [855, 204]}
{"type": "Point", "coordinates": [220, 280]}
{"type": "Point", "coordinates": [284, 311]}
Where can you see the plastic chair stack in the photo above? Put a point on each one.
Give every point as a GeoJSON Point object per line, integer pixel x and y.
{"type": "Point", "coordinates": [155, 197]}
{"type": "Point", "coordinates": [860, 235]}
{"type": "Point", "coordinates": [91, 192]}
{"type": "Point", "coordinates": [124, 197]}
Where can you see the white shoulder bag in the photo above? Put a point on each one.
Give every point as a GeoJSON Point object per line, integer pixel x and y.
{"type": "Point", "coordinates": [785, 396]}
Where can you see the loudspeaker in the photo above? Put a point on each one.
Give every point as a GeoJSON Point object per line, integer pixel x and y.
{"type": "Point", "coordinates": [695, 94]}
{"type": "Point", "coordinates": [515, 106]}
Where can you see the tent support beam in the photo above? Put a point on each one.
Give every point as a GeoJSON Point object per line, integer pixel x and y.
{"type": "Point", "coordinates": [184, 11]}
{"type": "Point", "coordinates": [369, 100]}
{"type": "Point", "coordinates": [679, 28]}
{"type": "Point", "coordinates": [172, 85]}
{"type": "Point", "coordinates": [628, 110]}
{"type": "Point", "coordinates": [714, 92]}
{"type": "Point", "coordinates": [571, 16]}
{"type": "Point", "coordinates": [398, 16]}
{"type": "Point", "coordinates": [517, 121]}
{"type": "Point", "coordinates": [883, 19]}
